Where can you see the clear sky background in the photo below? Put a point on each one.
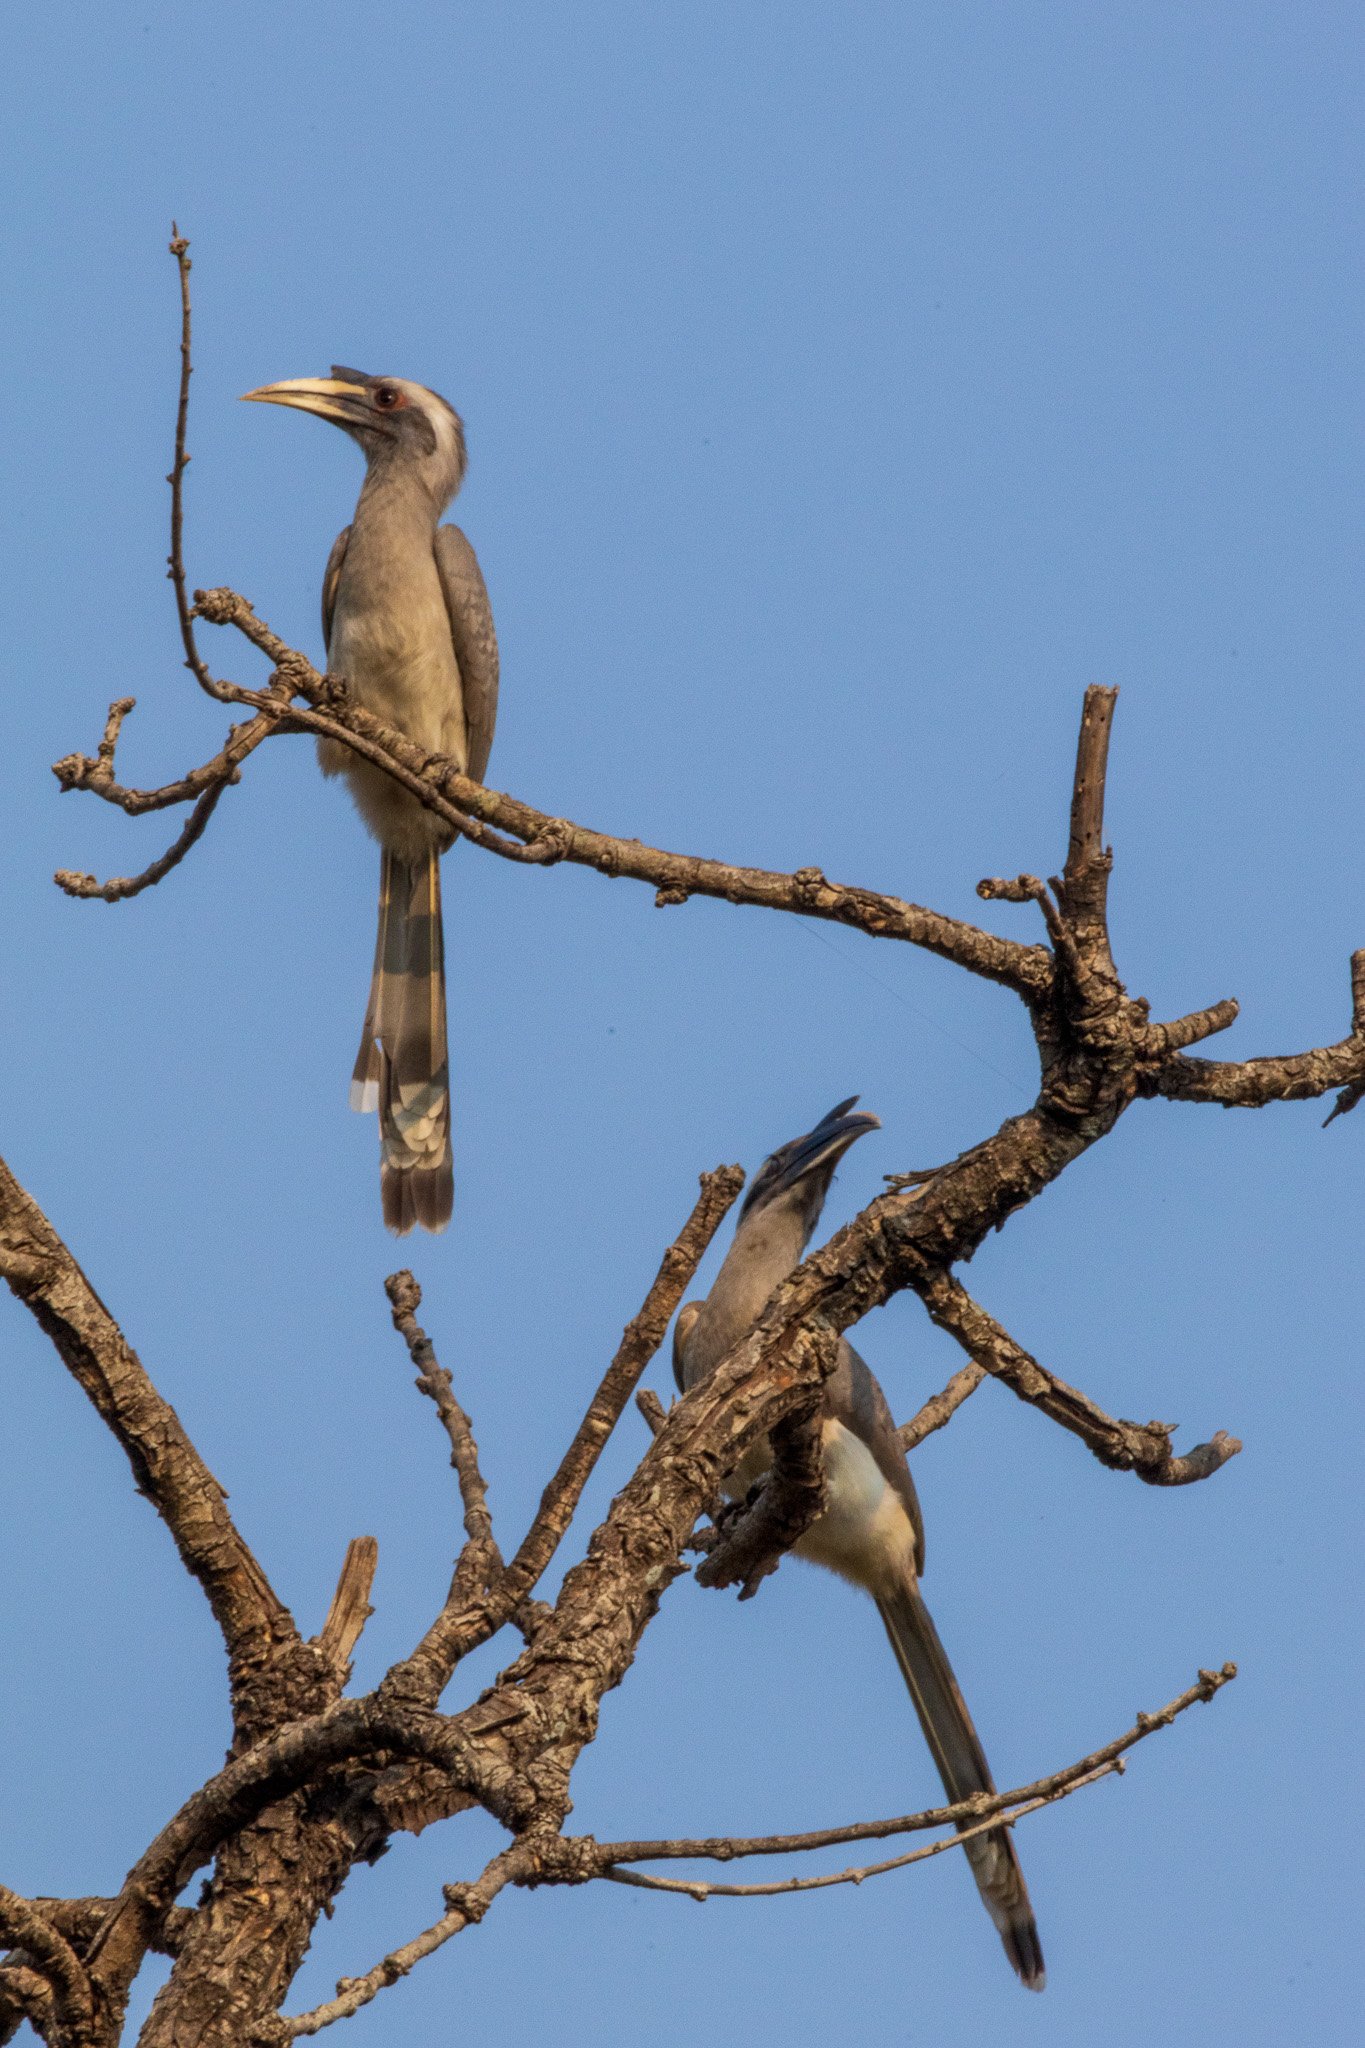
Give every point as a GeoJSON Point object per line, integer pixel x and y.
{"type": "Point", "coordinates": [847, 387]}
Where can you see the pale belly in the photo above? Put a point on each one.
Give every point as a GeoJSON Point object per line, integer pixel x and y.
{"type": "Point", "coordinates": [865, 1533]}
{"type": "Point", "coordinates": [401, 667]}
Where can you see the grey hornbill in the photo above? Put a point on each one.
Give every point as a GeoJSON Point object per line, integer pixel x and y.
{"type": "Point", "coordinates": [871, 1530]}
{"type": "Point", "coordinates": [407, 622]}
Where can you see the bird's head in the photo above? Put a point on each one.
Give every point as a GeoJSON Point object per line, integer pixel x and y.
{"type": "Point", "coordinates": [801, 1170]}
{"type": "Point", "coordinates": [399, 424]}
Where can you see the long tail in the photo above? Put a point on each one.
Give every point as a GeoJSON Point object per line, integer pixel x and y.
{"type": "Point", "coordinates": [402, 1069]}
{"type": "Point", "coordinates": [963, 1768]}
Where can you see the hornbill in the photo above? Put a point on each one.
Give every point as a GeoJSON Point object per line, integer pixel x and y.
{"type": "Point", "coordinates": [871, 1530]}
{"type": "Point", "coordinates": [407, 623]}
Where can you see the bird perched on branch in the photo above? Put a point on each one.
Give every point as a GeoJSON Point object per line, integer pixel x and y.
{"type": "Point", "coordinates": [871, 1530]}
{"type": "Point", "coordinates": [407, 623]}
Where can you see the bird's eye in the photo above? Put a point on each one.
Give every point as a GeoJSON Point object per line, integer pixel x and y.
{"type": "Point", "coordinates": [387, 397]}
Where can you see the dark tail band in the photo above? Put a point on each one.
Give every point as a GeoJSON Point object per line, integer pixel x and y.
{"type": "Point", "coordinates": [962, 1765]}
{"type": "Point", "coordinates": [402, 1069]}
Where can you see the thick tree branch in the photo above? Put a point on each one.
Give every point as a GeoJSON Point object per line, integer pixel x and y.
{"type": "Point", "coordinates": [752, 1537]}
{"type": "Point", "coordinates": [1144, 1448]}
{"type": "Point", "coordinates": [44, 1276]}
{"type": "Point", "coordinates": [268, 1773]}
{"type": "Point", "coordinates": [23, 1927]}
{"type": "Point", "coordinates": [1290, 1077]}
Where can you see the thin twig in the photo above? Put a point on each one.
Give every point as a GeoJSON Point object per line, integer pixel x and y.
{"type": "Point", "coordinates": [726, 1848]}
{"type": "Point", "coordinates": [462, 1625]}
{"type": "Point", "coordinates": [702, 1889]}
{"type": "Point", "coordinates": [940, 1408]}
{"type": "Point", "coordinates": [481, 1560]}
{"type": "Point", "coordinates": [121, 887]}
{"type": "Point", "coordinates": [467, 1905]}
{"type": "Point", "coordinates": [194, 661]}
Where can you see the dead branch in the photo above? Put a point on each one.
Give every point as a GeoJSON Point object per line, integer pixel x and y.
{"type": "Point", "coordinates": [53, 1959]}
{"type": "Point", "coordinates": [1144, 1448]}
{"type": "Point", "coordinates": [940, 1408]}
{"type": "Point", "coordinates": [466, 1906]}
{"type": "Point", "coordinates": [121, 887]}
{"type": "Point", "coordinates": [752, 1537]}
{"type": "Point", "coordinates": [725, 1848]}
{"type": "Point", "coordinates": [180, 249]}
{"type": "Point", "coordinates": [350, 1608]}
{"type": "Point", "coordinates": [652, 1408]}
{"type": "Point", "coordinates": [316, 1783]}
{"type": "Point", "coordinates": [44, 1276]}
{"type": "Point", "coordinates": [458, 1629]}
{"type": "Point", "coordinates": [481, 1560]}
{"type": "Point", "coordinates": [702, 1889]}
{"type": "Point", "coordinates": [1288, 1077]}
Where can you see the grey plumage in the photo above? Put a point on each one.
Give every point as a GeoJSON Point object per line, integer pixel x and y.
{"type": "Point", "coordinates": [407, 623]}
{"type": "Point", "coordinates": [872, 1531]}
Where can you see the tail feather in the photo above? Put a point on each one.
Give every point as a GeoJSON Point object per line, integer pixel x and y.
{"type": "Point", "coordinates": [962, 1765]}
{"type": "Point", "coordinates": [402, 1067]}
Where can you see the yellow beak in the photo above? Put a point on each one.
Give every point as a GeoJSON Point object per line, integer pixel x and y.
{"type": "Point", "coordinates": [328, 397]}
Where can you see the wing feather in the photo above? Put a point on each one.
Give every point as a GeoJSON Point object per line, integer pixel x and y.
{"type": "Point", "coordinates": [476, 642]}
{"type": "Point", "coordinates": [330, 579]}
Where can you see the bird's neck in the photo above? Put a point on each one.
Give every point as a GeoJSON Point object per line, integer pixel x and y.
{"type": "Point", "coordinates": [396, 502]}
{"type": "Point", "coordinates": [766, 1248]}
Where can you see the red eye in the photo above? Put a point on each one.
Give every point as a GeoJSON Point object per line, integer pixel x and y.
{"type": "Point", "coordinates": [388, 397]}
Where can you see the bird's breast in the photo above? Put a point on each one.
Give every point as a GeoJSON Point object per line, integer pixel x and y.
{"type": "Point", "coordinates": [398, 659]}
{"type": "Point", "coordinates": [864, 1533]}
{"type": "Point", "coordinates": [390, 640]}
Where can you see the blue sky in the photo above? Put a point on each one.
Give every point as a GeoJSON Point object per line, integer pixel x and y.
{"type": "Point", "coordinates": [847, 387]}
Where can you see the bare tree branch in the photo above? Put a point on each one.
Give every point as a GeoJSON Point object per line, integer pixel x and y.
{"type": "Point", "coordinates": [1289, 1077]}
{"type": "Point", "coordinates": [350, 1608]}
{"type": "Point", "coordinates": [1144, 1448]}
{"type": "Point", "coordinates": [940, 1408]}
{"type": "Point", "coordinates": [459, 1628]}
{"type": "Point", "coordinates": [121, 887]}
{"type": "Point", "coordinates": [23, 1927]}
{"type": "Point", "coordinates": [468, 806]}
{"type": "Point", "coordinates": [180, 249]}
{"type": "Point", "coordinates": [481, 1560]}
{"type": "Point", "coordinates": [466, 1906]}
{"type": "Point", "coordinates": [701, 1889]}
{"type": "Point", "coordinates": [751, 1537]}
{"type": "Point", "coordinates": [44, 1276]}
{"type": "Point", "coordinates": [725, 1848]}
{"type": "Point", "coordinates": [24, 1995]}
{"type": "Point", "coordinates": [317, 1783]}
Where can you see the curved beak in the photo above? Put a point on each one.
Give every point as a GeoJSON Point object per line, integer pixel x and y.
{"type": "Point", "coordinates": [823, 1147]}
{"type": "Point", "coordinates": [346, 405]}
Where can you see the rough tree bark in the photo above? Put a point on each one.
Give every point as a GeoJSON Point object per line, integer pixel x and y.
{"type": "Point", "coordinates": [316, 1780]}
